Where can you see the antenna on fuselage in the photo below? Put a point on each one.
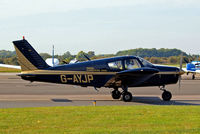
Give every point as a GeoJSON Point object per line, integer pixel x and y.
{"type": "Point", "coordinates": [86, 57]}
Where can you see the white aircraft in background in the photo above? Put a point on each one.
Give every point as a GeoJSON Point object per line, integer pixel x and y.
{"type": "Point", "coordinates": [73, 61]}
{"type": "Point", "coordinates": [10, 66]}
{"type": "Point", "coordinates": [48, 61]}
{"type": "Point", "coordinates": [193, 67]}
{"type": "Point", "coordinates": [52, 61]}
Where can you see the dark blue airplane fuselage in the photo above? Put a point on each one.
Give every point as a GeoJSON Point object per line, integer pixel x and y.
{"type": "Point", "coordinates": [97, 73]}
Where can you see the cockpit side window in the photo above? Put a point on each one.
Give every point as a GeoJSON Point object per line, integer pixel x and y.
{"type": "Point", "coordinates": [116, 65]}
{"type": "Point", "coordinates": [132, 64]}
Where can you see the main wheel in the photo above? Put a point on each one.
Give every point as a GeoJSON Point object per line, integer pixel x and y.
{"type": "Point", "coordinates": [116, 94]}
{"type": "Point", "coordinates": [166, 96]}
{"type": "Point", "coordinates": [127, 96]}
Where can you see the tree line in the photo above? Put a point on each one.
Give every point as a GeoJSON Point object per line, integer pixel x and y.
{"type": "Point", "coordinates": [156, 56]}
{"type": "Point", "coordinates": [153, 52]}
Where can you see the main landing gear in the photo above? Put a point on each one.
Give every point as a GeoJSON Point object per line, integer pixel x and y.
{"type": "Point", "coordinates": [116, 94]}
{"type": "Point", "coordinates": [126, 96]}
{"type": "Point", "coordinates": [166, 95]}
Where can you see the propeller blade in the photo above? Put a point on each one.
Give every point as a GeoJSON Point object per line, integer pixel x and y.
{"type": "Point", "coordinates": [179, 82]}
{"type": "Point", "coordinates": [181, 61]}
{"type": "Point", "coordinates": [180, 73]}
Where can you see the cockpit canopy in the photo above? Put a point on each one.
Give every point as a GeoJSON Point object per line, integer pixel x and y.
{"type": "Point", "coordinates": [129, 63]}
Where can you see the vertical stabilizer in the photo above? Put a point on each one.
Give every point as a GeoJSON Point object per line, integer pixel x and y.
{"type": "Point", "coordinates": [28, 58]}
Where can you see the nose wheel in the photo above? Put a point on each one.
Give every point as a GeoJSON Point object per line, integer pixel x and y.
{"type": "Point", "coordinates": [166, 95]}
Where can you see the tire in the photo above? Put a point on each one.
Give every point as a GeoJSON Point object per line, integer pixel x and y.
{"type": "Point", "coordinates": [116, 94]}
{"type": "Point", "coordinates": [166, 96]}
{"type": "Point", "coordinates": [127, 96]}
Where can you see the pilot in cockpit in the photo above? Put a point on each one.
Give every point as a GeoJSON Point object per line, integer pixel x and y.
{"type": "Point", "coordinates": [130, 64]}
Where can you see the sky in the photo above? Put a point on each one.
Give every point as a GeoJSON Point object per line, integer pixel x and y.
{"type": "Point", "coordinates": [103, 26]}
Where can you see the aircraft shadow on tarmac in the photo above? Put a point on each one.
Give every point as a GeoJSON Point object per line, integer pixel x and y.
{"type": "Point", "coordinates": [61, 100]}
{"type": "Point", "coordinates": [139, 100]}
{"type": "Point", "coordinates": [158, 101]}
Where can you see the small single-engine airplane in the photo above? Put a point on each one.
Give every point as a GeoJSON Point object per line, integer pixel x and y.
{"type": "Point", "coordinates": [117, 72]}
{"type": "Point", "coordinates": [192, 67]}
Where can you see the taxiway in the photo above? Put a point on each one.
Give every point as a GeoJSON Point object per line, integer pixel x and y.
{"type": "Point", "coordinates": [15, 92]}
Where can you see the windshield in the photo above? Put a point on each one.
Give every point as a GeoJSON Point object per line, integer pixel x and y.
{"type": "Point", "coordinates": [145, 62]}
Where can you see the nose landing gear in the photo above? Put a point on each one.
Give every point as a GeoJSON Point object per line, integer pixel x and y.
{"type": "Point", "coordinates": [166, 95]}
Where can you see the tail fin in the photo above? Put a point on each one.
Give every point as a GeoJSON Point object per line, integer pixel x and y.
{"type": "Point", "coordinates": [28, 58]}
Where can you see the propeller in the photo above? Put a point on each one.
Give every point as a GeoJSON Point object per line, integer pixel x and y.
{"type": "Point", "coordinates": [181, 71]}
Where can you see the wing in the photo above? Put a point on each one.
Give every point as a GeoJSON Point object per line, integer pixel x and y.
{"type": "Point", "coordinates": [197, 71]}
{"type": "Point", "coordinates": [133, 77]}
{"type": "Point", "coordinates": [138, 71]}
{"type": "Point", "coordinates": [10, 66]}
{"type": "Point", "coordinates": [191, 71]}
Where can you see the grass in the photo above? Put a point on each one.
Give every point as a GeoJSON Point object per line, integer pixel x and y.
{"type": "Point", "coordinates": [101, 119]}
{"type": "Point", "coordinates": [8, 70]}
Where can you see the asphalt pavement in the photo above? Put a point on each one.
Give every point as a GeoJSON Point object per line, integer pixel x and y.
{"type": "Point", "coordinates": [15, 92]}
